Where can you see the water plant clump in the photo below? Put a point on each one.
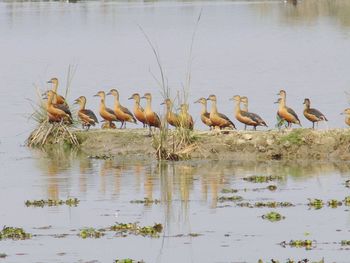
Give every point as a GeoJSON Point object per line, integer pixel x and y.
{"type": "Point", "coordinates": [347, 201]}
{"type": "Point", "coordinates": [3, 255]}
{"type": "Point", "coordinates": [51, 202]}
{"type": "Point", "coordinates": [345, 242]}
{"type": "Point", "coordinates": [90, 232]}
{"type": "Point", "coordinates": [128, 260]}
{"type": "Point", "coordinates": [134, 229]}
{"type": "Point", "coordinates": [347, 183]}
{"type": "Point", "coordinates": [233, 198]}
{"type": "Point", "coordinates": [305, 260]}
{"type": "Point", "coordinates": [145, 201]}
{"type": "Point", "coordinates": [229, 191]}
{"type": "Point", "coordinates": [14, 233]}
{"type": "Point", "coordinates": [265, 204]}
{"type": "Point", "coordinates": [262, 178]}
{"type": "Point", "coordinates": [315, 203]}
{"type": "Point", "coordinates": [334, 203]}
{"type": "Point", "coordinates": [307, 244]}
{"type": "Point", "coordinates": [295, 137]}
{"type": "Point", "coordinates": [273, 216]}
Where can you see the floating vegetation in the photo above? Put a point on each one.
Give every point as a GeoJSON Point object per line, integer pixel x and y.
{"type": "Point", "coordinates": [90, 233]}
{"type": "Point", "coordinates": [127, 260]}
{"type": "Point", "coordinates": [272, 187]}
{"type": "Point", "coordinates": [3, 255]}
{"type": "Point", "coordinates": [347, 201]}
{"type": "Point", "coordinates": [262, 178]}
{"type": "Point", "coordinates": [305, 260]}
{"type": "Point", "coordinates": [14, 233]}
{"type": "Point", "coordinates": [345, 242]}
{"type": "Point", "coordinates": [135, 229]}
{"type": "Point", "coordinates": [51, 202]}
{"type": "Point", "coordinates": [233, 198]}
{"type": "Point", "coordinates": [101, 157]}
{"type": "Point", "coordinates": [273, 217]}
{"type": "Point", "coordinates": [315, 203]}
{"type": "Point", "coordinates": [229, 191]}
{"type": "Point", "coordinates": [307, 244]}
{"type": "Point", "coordinates": [145, 201]}
{"type": "Point", "coordinates": [265, 204]}
{"type": "Point", "coordinates": [334, 203]}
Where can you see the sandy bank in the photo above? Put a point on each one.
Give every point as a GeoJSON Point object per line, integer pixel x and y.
{"type": "Point", "coordinates": [297, 144]}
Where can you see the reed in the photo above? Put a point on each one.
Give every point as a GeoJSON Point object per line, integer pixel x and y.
{"type": "Point", "coordinates": [51, 133]}
{"type": "Point", "coordinates": [178, 144]}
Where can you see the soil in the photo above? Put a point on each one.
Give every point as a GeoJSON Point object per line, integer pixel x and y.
{"type": "Point", "coordinates": [296, 144]}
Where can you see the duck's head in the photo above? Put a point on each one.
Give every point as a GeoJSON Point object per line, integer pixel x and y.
{"type": "Point", "coordinates": [113, 92]}
{"type": "Point", "coordinates": [135, 96]}
{"type": "Point", "coordinates": [346, 112]}
{"type": "Point", "coordinates": [167, 102]}
{"type": "Point", "coordinates": [212, 97]}
{"type": "Point", "coordinates": [100, 94]}
{"type": "Point", "coordinates": [306, 101]}
{"type": "Point", "coordinates": [236, 98]}
{"type": "Point", "coordinates": [201, 101]}
{"type": "Point", "coordinates": [80, 100]}
{"type": "Point", "coordinates": [282, 93]}
{"type": "Point", "coordinates": [53, 81]}
{"type": "Point", "coordinates": [244, 99]}
{"type": "Point", "coordinates": [147, 96]}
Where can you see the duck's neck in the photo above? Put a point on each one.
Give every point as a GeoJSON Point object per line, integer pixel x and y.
{"type": "Point", "coordinates": [102, 104]}
{"type": "Point", "coordinates": [148, 105]}
{"type": "Point", "coordinates": [306, 106]}
{"type": "Point", "coordinates": [204, 108]}
{"type": "Point", "coordinates": [116, 101]}
{"type": "Point", "coordinates": [82, 105]}
{"type": "Point", "coordinates": [55, 86]}
{"type": "Point", "coordinates": [245, 106]}
{"type": "Point", "coordinates": [237, 107]}
{"type": "Point", "coordinates": [49, 100]}
{"type": "Point", "coordinates": [214, 108]}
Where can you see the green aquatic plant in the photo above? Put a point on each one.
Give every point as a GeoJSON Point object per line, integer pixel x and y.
{"type": "Point", "coordinates": [90, 232]}
{"type": "Point", "coordinates": [273, 216]}
{"type": "Point", "coordinates": [14, 233]}
{"type": "Point", "coordinates": [295, 137]}
{"type": "Point", "coordinates": [3, 255]}
{"type": "Point", "coordinates": [265, 204]}
{"type": "Point", "coordinates": [315, 203]}
{"type": "Point", "coordinates": [347, 183]}
{"type": "Point", "coordinates": [334, 203]}
{"type": "Point", "coordinates": [145, 201]}
{"type": "Point", "coordinates": [307, 244]}
{"type": "Point", "coordinates": [262, 178]}
{"type": "Point", "coordinates": [127, 260]}
{"type": "Point", "coordinates": [347, 201]}
{"type": "Point", "coordinates": [101, 157]}
{"type": "Point", "coordinates": [134, 229]}
{"type": "Point", "coordinates": [345, 242]}
{"type": "Point", "coordinates": [272, 187]}
{"type": "Point", "coordinates": [228, 191]}
{"type": "Point", "coordinates": [51, 202]}
{"type": "Point", "coordinates": [233, 198]}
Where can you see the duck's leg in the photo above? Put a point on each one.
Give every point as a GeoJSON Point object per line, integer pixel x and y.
{"type": "Point", "coordinates": [121, 126]}
{"type": "Point", "coordinates": [254, 128]}
{"type": "Point", "coordinates": [313, 125]}
{"type": "Point", "coordinates": [150, 131]}
{"type": "Point", "coordinates": [245, 127]}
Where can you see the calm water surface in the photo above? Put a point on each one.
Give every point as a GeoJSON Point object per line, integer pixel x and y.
{"type": "Point", "coordinates": [251, 48]}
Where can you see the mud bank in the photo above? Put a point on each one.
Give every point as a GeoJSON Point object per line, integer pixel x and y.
{"type": "Point", "coordinates": [297, 144]}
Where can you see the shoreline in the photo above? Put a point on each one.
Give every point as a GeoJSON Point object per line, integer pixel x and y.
{"type": "Point", "coordinates": [297, 144]}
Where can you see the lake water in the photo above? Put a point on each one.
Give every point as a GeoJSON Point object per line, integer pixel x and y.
{"type": "Point", "coordinates": [251, 48]}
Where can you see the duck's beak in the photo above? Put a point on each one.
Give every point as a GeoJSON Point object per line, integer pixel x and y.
{"type": "Point", "coordinates": [109, 93]}
{"type": "Point", "coordinates": [231, 99]}
{"type": "Point", "coordinates": [76, 101]}
{"type": "Point", "coordinates": [342, 113]}
{"type": "Point", "coordinates": [96, 95]}
{"type": "Point", "coordinates": [208, 98]}
{"type": "Point", "coordinates": [197, 101]}
{"type": "Point", "coordinates": [276, 102]}
{"type": "Point", "coordinates": [50, 81]}
{"type": "Point", "coordinates": [143, 97]}
{"type": "Point", "coordinates": [162, 103]}
{"type": "Point", "coordinates": [130, 98]}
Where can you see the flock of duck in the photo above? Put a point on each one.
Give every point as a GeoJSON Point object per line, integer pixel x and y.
{"type": "Point", "coordinates": [58, 111]}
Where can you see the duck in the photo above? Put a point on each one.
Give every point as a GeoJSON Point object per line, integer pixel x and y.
{"type": "Point", "coordinates": [122, 113]}
{"type": "Point", "coordinates": [346, 112]}
{"type": "Point", "coordinates": [186, 120]}
{"type": "Point", "coordinates": [311, 114]}
{"type": "Point", "coordinates": [87, 117]}
{"type": "Point", "coordinates": [286, 113]}
{"type": "Point", "coordinates": [57, 112]}
{"type": "Point", "coordinates": [107, 114]}
{"type": "Point", "coordinates": [245, 117]}
{"type": "Point", "coordinates": [152, 118]}
{"type": "Point", "coordinates": [58, 98]}
{"type": "Point", "coordinates": [218, 119]}
{"type": "Point", "coordinates": [139, 112]}
{"type": "Point", "coordinates": [171, 117]}
{"type": "Point", "coordinates": [205, 116]}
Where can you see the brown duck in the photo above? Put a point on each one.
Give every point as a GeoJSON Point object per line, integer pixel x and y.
{"type": "Point", "coordinates": [171, 117]}
{"type": "Point", "coordinates": [87, 117]}
{"type": "Point", "coordinates": [205, 116]}
{"type": "Point", "coordinates": [218, 119]}
{"type": "Point", "coordinates": [186, 120]}
{"type": "Point", "coordinates": [152, 118]}
{"type": "Point", "coordinates": [107, 114]}
{"type": "Point", "coordinates": [139, 112]}
{"type": "Point", "coordinates": [286, 113]}
{"type": "Point", "coordinates": [312, 115]}
{"type": "Point", "coordinates": [58, 98]}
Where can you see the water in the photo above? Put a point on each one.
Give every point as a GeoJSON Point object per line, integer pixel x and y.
{"type": "Point", "coordinates": [251, 48]}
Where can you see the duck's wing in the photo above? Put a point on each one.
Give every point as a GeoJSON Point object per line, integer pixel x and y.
{"type": "Point", "coordinates": [291, 111]}
{"type": "Point", "coordinates": [318, 114]}
{"type": "Point", "coordinates": [255, 117]}
{"type": "Point", "coordinates": [90, 114]}
{"type": "Point", "coordinates": [110, 111]}
{"type": "Point", "coordinates": [126, 111]}
{"type": "Point", "coordinates": [64, 108]}
{"type": "Point", "coordinates": [223, 116]}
